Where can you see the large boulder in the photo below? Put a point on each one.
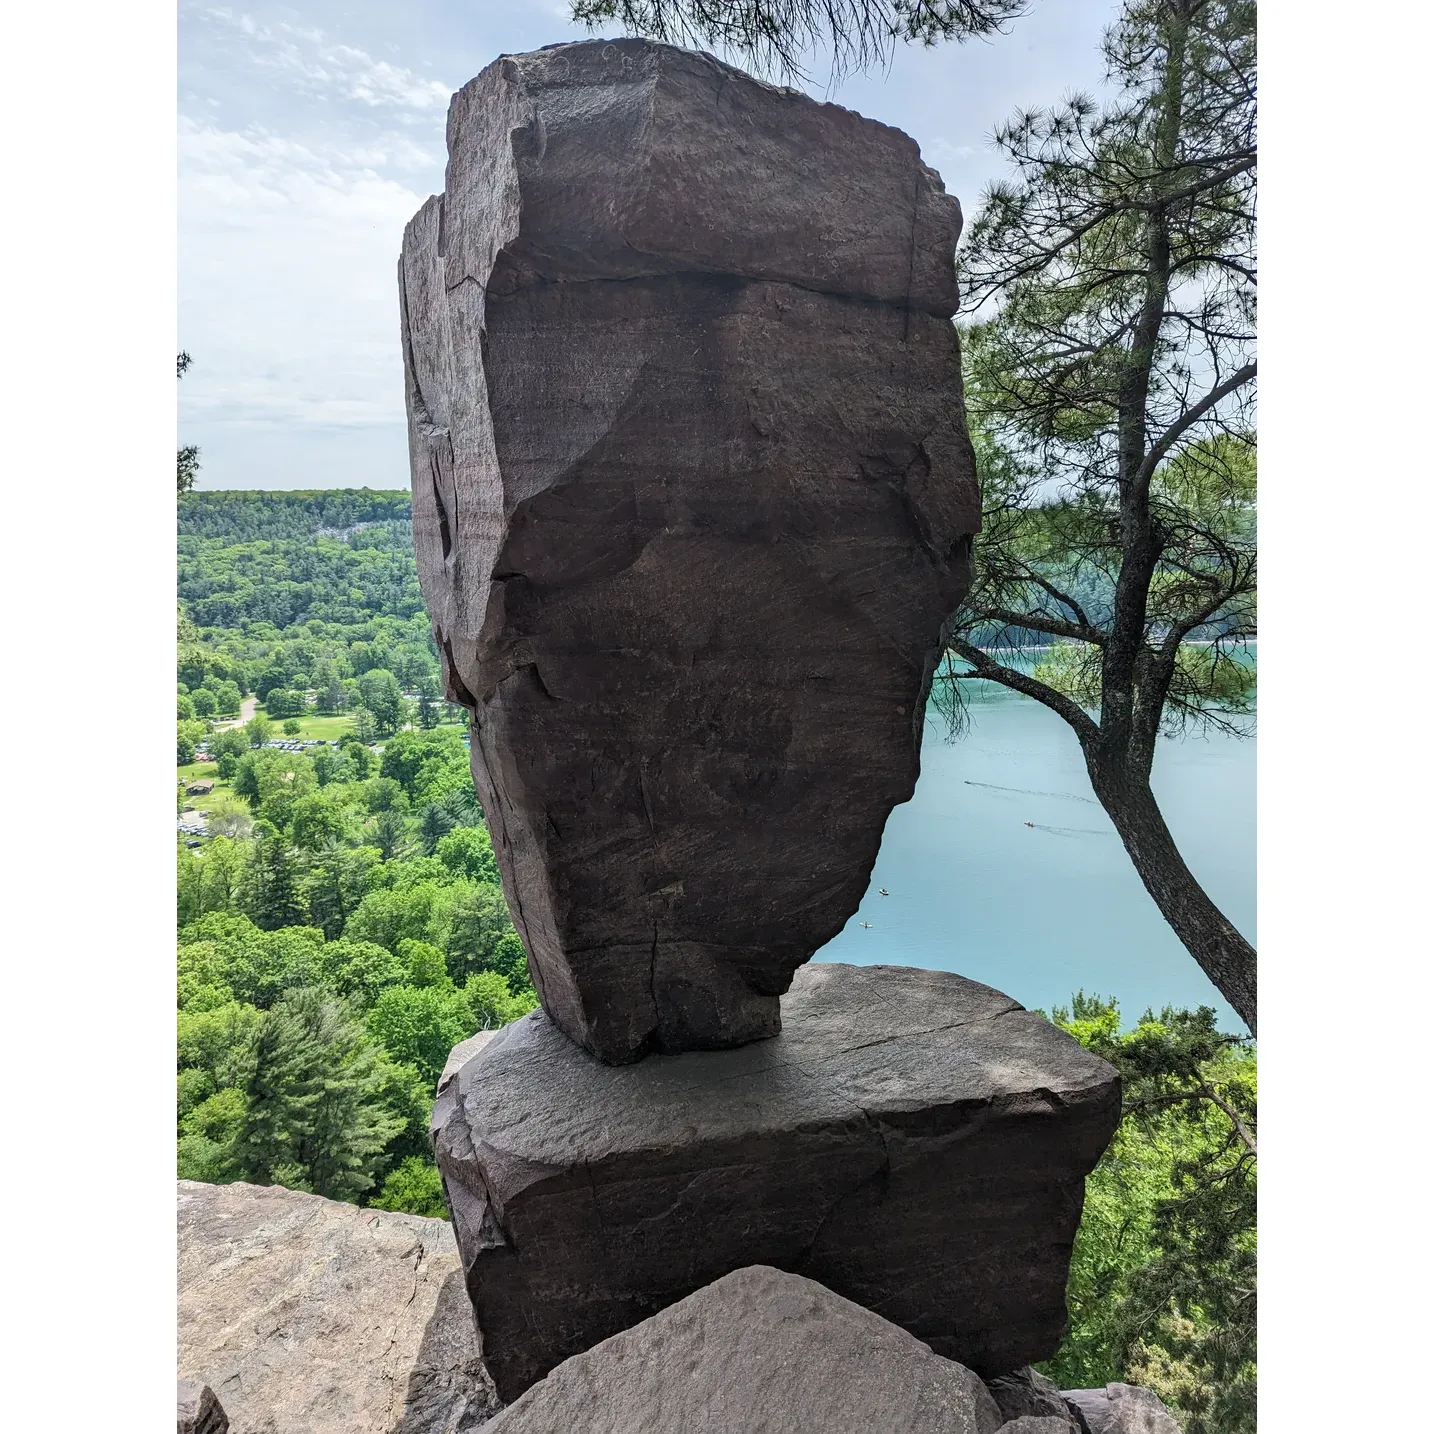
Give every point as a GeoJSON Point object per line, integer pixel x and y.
{"type": "Point", "coordinates": [692, 498]}
{"type": "Point", "coordinates": [914, 1141]}
{"type": "Point", "coordinates": [1122, 1409]}
{"type": "Point", "coordinates": [308, 1316]}
{"type": "Point", "coordinates": [757, 1352]}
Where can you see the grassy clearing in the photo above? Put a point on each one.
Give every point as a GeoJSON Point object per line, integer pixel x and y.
{"type": "Point", "coordinates": [204, 772]}
{"type": "Point", "coordinates": [314, 728]}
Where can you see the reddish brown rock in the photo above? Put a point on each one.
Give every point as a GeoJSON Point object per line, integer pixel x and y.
{"type": "Point", "coordinates": [913, 1141]}
{"type": "Point", "coordinates": [693, 496]}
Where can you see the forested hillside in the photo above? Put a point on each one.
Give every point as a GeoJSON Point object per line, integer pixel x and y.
{"type": "Point", "coordinates": [341, 923]}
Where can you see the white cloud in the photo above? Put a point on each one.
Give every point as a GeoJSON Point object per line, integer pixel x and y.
{"type": "Point", "coordinates": [288, 299]}
{"type": "Point", "coordinates": [289, 237]}
{"type": "Point", "coordinates": [309, 58]}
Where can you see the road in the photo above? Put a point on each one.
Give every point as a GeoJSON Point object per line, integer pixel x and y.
{"type": "Point", "coordinates": [246, 711]}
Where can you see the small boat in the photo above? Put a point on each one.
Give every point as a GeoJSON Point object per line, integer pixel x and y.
{"type": "Point", "coordinates": [866, 924]}
{"type": "Point", "coordinates": [882, 891]}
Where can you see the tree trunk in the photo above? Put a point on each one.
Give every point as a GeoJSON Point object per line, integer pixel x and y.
{"type": "Point", "coordinates": [1224, 955]}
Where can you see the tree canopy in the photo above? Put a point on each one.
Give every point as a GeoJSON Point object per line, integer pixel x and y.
{"type": "Point", "coordinates": [778, 35]}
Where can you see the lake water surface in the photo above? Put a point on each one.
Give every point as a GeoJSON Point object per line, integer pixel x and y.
{"type": "Point", "coordinates": [1045, 910]}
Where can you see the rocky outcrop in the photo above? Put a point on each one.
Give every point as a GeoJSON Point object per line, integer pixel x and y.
{"type": "Point", "coordinates": [914, 1141]}
{"type": "Point", "coordinates": [1025, 1393]}
{"type": "Point", "coordinates": [758, 1350]}
{"type": "Point", "coordinates": [1122, 1409]}
{"type": "Point", "coordinates": [1035, 1424]}
{"type": "Point", "coordinates": [692, 496]}
{"type": "Point", "coordinates": [305, 1314]}
{"type": "Point", "coordinates": [199, 1412]}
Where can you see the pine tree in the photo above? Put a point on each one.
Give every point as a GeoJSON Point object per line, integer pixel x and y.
{"type": "Point", "coordinates": [349, 1125]}
{"type": "Point", "coordinates": [315, 1115]}
{"type": "Point", "coordinates": [271, 896]}
{"type": "Point", "coordinates": [391, 834]}
{"type": "Point", "coordinates": [1113, 385]}
{"type": "Point", "coordinates": [281, 1089]}
{"type": "Point", "coordinates": [434, 824]}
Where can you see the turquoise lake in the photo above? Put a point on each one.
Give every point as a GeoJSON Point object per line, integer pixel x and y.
{"type": "Point", "coordinates": [1045, 910]}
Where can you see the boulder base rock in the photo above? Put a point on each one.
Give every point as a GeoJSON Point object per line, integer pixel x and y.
{"type": "Point", "coordinates": [199, 1412]}
{"type": "Point", "coordinates": [308, 1315]}
{"type": "Point", "coordinates": [692, 498]}
{"type": "Point", "coordinates": [914, 1141]}
{"type": "Point", "coordinates": [1122, 1409]}
{"type": "Point", "coordinates": [757, 1352]}
{"type": "Point", "coordinates": [1025, 1393]}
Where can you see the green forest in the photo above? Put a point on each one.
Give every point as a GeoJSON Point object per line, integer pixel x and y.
{"type": "Point", "coordinates": [341, 926]}
{"type": "Point", "coordinates": [341, 923]}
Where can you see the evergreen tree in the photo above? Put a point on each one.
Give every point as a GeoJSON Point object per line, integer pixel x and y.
{"type": "Point", "coordinates": [1114, 382]}
{"type": "Point", "coordinates": [343, 1142]}
{"type": "Point", "coordinates": [281, 1086]}
{"type": "Point", "coordinates": [382, 697]}
{"type": "Point", "coordinates": [335, 885]}
{"type": "Point", "coordinates": [271, 895]}
{"type": "Point", "coordinates": [391, 836]}
{"type": "Point", "coordinates": [434, 823]}
{"type": "Point", "coordinates": [1162, 1282]}
{"type": "Point", "coordinates": [777, 35]}
{"type": "Point", "coordinates": [314, 1113]}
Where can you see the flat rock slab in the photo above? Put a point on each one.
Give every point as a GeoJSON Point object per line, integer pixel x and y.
{"type": "Point", "coordinates": [757, 1352]}
{"type": "Point", "coordinates": [308, 1316]}
{"type": "Point", "coordinates": [912, 1140]}
{"type": "Point", "coordinates": [692, 498]}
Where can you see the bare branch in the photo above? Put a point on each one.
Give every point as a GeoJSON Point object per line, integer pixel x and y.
{"type": "Point", "coordinates": [983, 667]}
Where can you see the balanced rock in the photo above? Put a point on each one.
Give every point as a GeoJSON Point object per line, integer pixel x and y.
{"type": "Point", "coordinates": [310, 1315]}
{"type": "Point", "coordinates": [913, 1140]}
{"type": "Point", "coordinates": [1122, 1409]}
{"type": "Point", "coordinates": [692, 498]}
{"type": "Point", "coordinates": [757, 1352]}
{"type": "Point", "coordinates": [199, 1412]}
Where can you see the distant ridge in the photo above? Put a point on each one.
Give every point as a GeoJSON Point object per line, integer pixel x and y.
{"type": "Point", "coordinates": [247, 514]}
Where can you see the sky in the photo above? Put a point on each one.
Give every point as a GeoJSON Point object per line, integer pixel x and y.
{"type": "Point", "coordinates": [309, 135]}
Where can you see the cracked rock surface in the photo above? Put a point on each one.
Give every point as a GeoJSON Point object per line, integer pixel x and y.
{"type": "Point", "coordinates": [912, 1140]}
{"type": "Point", "coordinates": [692, 498]}
{"type": "Point", "coordinates": [760, 1352]}
{"type": "Point", "coordinates": [305, 1314]}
